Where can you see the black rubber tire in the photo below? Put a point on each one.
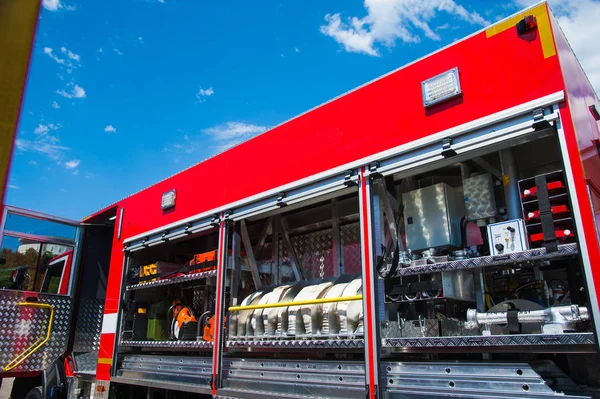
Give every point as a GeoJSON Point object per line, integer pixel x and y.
{"type": "Point", "coordinates": [34, 393]}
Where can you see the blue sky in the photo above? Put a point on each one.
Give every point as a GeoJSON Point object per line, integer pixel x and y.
{"type": "Point", "coordinates": [123, 93]}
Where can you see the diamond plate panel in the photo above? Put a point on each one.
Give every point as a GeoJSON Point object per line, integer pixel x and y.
{"type": "Point", "coordinates": [479, 197]}
{"type": "Point", "coordinates": [351, 253]}
{"type": "Point", "coordinates": [88, 325]}
{"type": "Point", "coordinates": [315, 253]}
{"type": "Point", "coordinates": [85, 363]}
{"type": "Point", "coordinates": [494, 340]}
{"type": "Point", "coordinates": [299, 344]}
{"type": "Point", "coordinates": [487, 261]}
{"type": "Point", "coordinates": [21, 326]}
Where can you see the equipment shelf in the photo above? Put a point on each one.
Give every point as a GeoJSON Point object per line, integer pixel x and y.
{"type": "Point", "coordinates": [537, 254]}
{"type": "Point", "coordinates": [570, 342]}
{"type": "Point", "coordinates": [174, 280]}
{"type": "Point", "coordinates": [298, 344]}
{"type": "Point", "coordinates": [168, 344]}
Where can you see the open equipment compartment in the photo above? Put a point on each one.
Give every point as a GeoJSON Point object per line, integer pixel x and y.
{"type": "Point", "coordinates": [167, 313]}
{"type": "Point", "coordinates": [479, 260]}
{"type": "Point", "coordinates": [296, 290]}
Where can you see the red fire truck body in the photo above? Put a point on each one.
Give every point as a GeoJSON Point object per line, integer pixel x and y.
{"type": "Point", "coordinates": [311, 221]}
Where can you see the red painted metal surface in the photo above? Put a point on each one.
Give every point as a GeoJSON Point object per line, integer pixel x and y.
{"type": "Point", "coordinates": [105, 352]}
{"type": "Point", "coordinates": [581, 134]}
{"type": "Point", "coordinates": [496, 73]}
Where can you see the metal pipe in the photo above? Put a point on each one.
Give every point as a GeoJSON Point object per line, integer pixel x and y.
{"type": "Point", "coordinates": [297, 303]}
{"type": "Point", "coordinates": [556, 314]}
{"type": "Point", "coordinates": [510, 179]}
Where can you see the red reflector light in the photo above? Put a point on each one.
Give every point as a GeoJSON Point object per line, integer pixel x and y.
{"type": "Point", "coordinates": [527, 24]}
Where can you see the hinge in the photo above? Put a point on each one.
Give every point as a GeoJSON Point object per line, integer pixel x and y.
{"type": "Point", "coordinates": [348, 181]}
{"type": "Point", "coordinates": [215, 221]}
{"type": "Point", "coordinates": [539, 122]}
{"type": "Point", "coordinates": [447, 150]}
{"type": "Point", "coordinates": [372, 169]}
{"type": "Point", "coordinates": [280, 200]}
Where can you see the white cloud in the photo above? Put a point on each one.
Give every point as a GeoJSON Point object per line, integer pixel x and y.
{"type": "Point", "coordinates": [389, 20]}
{"type": "Point", "coordinates": [100, 50]}
{"type": "Point", "coordinates": [70, 62]}
{"type": "Point", "coordinates": [63, 190]}
{"type": "Point", "coordinates": [32, 162]}
{"type": "Point", "coordinates": [75, 172]}
{"type": "Point", "coordinates": [117, 51]}
{"type": "Point", "coordinates": [89, 176]}
{"type": "Point", "coordinates": [76, 92]}
{"type": "Point", "coordinates": [204, 93]}
{"type": "Point", "coordinates": [70, 54]}
{"type": "Point", "coordinates": [44, 129]}
{"type": "Point", "coordinates": [110, 129]}
{"type": "Point", "coordinates": [49, 53]}
{"type": "Point", "coordinates": [296, 49]}
{"type": "Point", "coordinates": [231, 133]}
{"type": "Point", "coordinates": [51, 5]}
{"type": "Point", "coordinates": [13, 187]}
{"type": "Point", "coordinates": [43, 143]}
{"type": "Point", "coordinates": [72, 164]}
{"type": "Point", "coordinates": [141, 39]}
{"type": "Point", "coordinates": [161, 1]}
{"type": "Point", "coordinates": [281, 54]}
{"type": "Point", "coordinates": [41, 129]}
{"type": "Point", "coordinates": [46, 145]}
{"type": "Point", "coordinates": [55, 105]}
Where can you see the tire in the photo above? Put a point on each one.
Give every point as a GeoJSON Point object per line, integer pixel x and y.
{"type": "Point", "coordinates": [34, 393]}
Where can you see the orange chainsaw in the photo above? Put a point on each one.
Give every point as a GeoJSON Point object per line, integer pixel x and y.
{"type": "Point", "coordinates": [183, 322]}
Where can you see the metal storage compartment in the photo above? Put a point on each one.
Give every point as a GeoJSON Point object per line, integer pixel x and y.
{"type": "Point", "coordinates": [431, 217]}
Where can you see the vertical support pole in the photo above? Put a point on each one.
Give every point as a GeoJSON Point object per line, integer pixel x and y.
{"type": "Point", "coordinates": [369, 279]}
{"type": "Point", "coordinates": [275, 244]}
{"type": "Point", "coordinates": [236, 265]}
{"type": "Point", "coordinates": [511, 179]}
{"type": "Point", "coordinates": [338, 259]}
{"type": "Point", "coordinates": [219, 339]}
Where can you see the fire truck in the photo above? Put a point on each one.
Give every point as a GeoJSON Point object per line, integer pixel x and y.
{"type": "Point", "coordinates": [432, 233]}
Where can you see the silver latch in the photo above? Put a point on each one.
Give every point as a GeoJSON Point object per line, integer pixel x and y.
{"type": "Point", "coordinates": [280, 200]}
{"type": "Point", "coordinates": [447, 150]}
